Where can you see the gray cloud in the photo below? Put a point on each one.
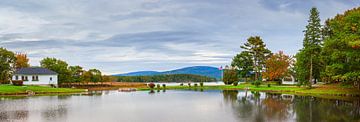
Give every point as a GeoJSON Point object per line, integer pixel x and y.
{"type": "Point", "coordinates": [118, 36]}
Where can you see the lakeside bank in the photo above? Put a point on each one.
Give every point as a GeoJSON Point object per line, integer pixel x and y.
{"type": "Point", "coordinates": [6, 90]}
{"type": "Point", "coordinates": [320, 90]}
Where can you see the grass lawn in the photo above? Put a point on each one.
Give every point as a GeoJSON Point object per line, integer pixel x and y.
{"type": "Point", "coordinates": [289, 89]}
{"type": "Point", "coordinates": [13, 90]}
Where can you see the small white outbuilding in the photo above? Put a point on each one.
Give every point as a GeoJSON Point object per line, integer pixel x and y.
{"type": "Point", "coordinates": [36, 76]}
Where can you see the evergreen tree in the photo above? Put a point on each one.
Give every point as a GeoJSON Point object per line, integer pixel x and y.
{"type": "Point", "coordinates": [308, 59]}
{"type": "Point", "coordinates": [244, 62]}
{"type": "Point", "coordinates": [259, 53]}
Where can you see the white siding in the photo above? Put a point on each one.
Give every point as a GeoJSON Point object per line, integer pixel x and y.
{"type": "Point", "coordinates": [43, 79]}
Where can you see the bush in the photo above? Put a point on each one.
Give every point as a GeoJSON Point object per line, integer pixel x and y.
{"type": "Point", "coordinates": [158, 86]}
{"type": "Point", "coordinates": [269, 85]}
{"type": "Point", "coordinates": [235, 83]}
{"type": "Point", "coordinates": [151, 85]}
{"type": "Point", "coordinates": [17, 82]}
{"type": "Point", "coordinates": [164, 85]}
{"type": "Point", "coordinates": [257, 83]}
{"type": "Point", "coordinates": [181, 84]}
{"type": "Point", "coordinates": [230, 76]}
{"type": "Point", "coordinates": [298, 84]}
{"type": "Point", "coordinates": [201, 84]}
{"type": "Point", "coordinates": [195, 84]}
{"type": "Point", "coordinates": [189, 84]}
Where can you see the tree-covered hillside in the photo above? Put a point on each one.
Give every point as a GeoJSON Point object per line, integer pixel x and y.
{"type": "Point", "coordinates": [166, 78]}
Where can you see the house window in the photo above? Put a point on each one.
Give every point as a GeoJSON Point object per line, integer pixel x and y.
{"type": "Point", "coordinates": [24, 78]}
{"type": "Point", "coordinates": [50, 78]}
{"type": "Point", "coordinates": [35, 78]}
{"type": "Point", "coordinates": [16, 77]}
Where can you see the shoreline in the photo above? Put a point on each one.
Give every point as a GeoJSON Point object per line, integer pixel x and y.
{"type": "Point", "coordinates": [288, 89]}
{"type": "Point", "coordinates": [32, 90]}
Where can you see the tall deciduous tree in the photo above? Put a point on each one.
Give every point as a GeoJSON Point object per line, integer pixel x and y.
{"type": "Point", "coordinates": [341, 52]}
{"type": "Point", "coordinates": [258, 51]}
{"type": "Point", "coordinates": [244, 62]}
{"type": "Point", "coordinates": [308, 59]}
{"type": "Point", "coordinates": [7, 64]}
{"type": "Point", "coordinates": [59, 66]}
{"type": "Point", "coordinates": [95, 75]}
{"type": "Point", "coordinates": [76, 72]}
{"type": "Point", "coordinates": [21, 61]}
{"type": "Point", "coordinates": [277, 66]}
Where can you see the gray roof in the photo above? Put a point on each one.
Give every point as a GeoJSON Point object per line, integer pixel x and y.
{"type": "Point", "coordinates": [35, 71]}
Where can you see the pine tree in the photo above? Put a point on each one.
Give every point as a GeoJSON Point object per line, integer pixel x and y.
{"type": "Point", "coordinates": [259, 53]}
{"type": "Point", "coordinates": [308, 59]}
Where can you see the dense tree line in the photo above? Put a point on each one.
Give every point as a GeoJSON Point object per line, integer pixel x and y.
{"type": "Point", "coordinates": [166, 78]}
{"type": "Point", "coordinates": [341, 49]}
{"type": "Point", "coordinates": [71, 74]}
{"type": "Point", "coordinates": [9, 62]}
{"type": "Point", "coordinates": [330, 53]}
{"type": "Point", "coordinates": [333, 50]}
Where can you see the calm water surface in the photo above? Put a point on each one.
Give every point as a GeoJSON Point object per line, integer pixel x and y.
{"type": "Point", "coordinates": [177, 106]}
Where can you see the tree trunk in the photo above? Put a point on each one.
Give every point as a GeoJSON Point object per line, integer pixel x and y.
{"type": "Point", "coordinates": [311, 68]}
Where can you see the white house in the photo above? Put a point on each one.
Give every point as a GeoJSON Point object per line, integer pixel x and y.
{"type": "Point", "coordinates": [36, 76]}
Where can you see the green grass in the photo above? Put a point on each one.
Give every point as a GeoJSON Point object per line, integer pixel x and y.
{"type": "Point", "coordinates": [289, 89]}
{"type": "Point", "coordinates": [13, 90]}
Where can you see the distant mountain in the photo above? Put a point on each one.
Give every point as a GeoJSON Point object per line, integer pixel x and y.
{"type": "Point", "coordinates": [140, 73]}
{"type": "Point", "coordinates": [195, 70]}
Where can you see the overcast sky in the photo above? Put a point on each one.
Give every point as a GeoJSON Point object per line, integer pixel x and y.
{"type": "Point", "coordinates": [118, 36]}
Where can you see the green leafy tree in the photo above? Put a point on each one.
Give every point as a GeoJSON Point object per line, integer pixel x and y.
{"type": "Point", "coordinates": [7, 65]}
{"type": "Point", "coordinates": [308, 59]}
{"type": "Point", "coordinates": [259, 53]}
{"type": "Point", "coordinates": [341, 52]}
{"type": "Point", "coordinates": [244, 62]}
{"type": "Point", "coordinates": [76, 72]}
{"type": "Point", "coordinates": [59, 66]}
{"type": "Point", "coordinates": [95, 75]}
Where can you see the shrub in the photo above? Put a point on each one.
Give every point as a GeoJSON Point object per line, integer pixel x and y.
{"type": "Point", "coordinates": [158, 86]}
{"type": "Point", "coordinates": [189, 84]}
{"type": "Point", "coordinates": [201, 84]}
{"type": "Point", "coordinates": [230, 76]}
{"type": "Point", "coordinates": [181, 84]}
{"type": "Point", "coordinates": [268, 84]}
{"type": "Point", "coordinates": [298, 84]}
{"type": "Point", "coordinates": [257, 83]}
{"type": "Point", "coordinates": [195, 84]}
{"type": "Point", "coordinates": [235, 83]}
{"type": "Point", "coordinates": [17, 83]}
{"type": "Point", "coordinates": [151, 85]}
{"type": "Point", "coordinates": [164, 85]}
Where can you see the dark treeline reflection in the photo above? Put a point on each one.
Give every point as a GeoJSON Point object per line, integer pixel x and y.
{"type": "Point", "coordinates": [257, 106]}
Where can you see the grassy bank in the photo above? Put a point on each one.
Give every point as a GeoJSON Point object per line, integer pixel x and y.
{"type": "Point", "coordinates": [334, 90]}
{"type": "Point", "coordinates": [23, 90]}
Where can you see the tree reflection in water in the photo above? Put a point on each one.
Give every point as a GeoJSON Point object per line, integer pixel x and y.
{"type": "Point", "coordinates": [257, 106]}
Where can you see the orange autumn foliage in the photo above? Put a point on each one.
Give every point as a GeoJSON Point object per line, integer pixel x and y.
{"type": "Point", "coordinates": [277, 66]}
{"type": "Point", "coordinates": [21, 61]}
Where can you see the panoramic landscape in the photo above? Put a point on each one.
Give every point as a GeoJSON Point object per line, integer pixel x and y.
{"type": "Point", "coordinates": [180, 61]}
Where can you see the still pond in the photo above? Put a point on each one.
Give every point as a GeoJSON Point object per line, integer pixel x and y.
{"type": "Point", "coordinates": [177, 106]}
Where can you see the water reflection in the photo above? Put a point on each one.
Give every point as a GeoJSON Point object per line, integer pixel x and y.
{"type": "Point", "coordinates": [14, 115]}
{"type": "Point", "coordinates": [256, 106]}
{"type": "Point", "coordinates": [178, 105]}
